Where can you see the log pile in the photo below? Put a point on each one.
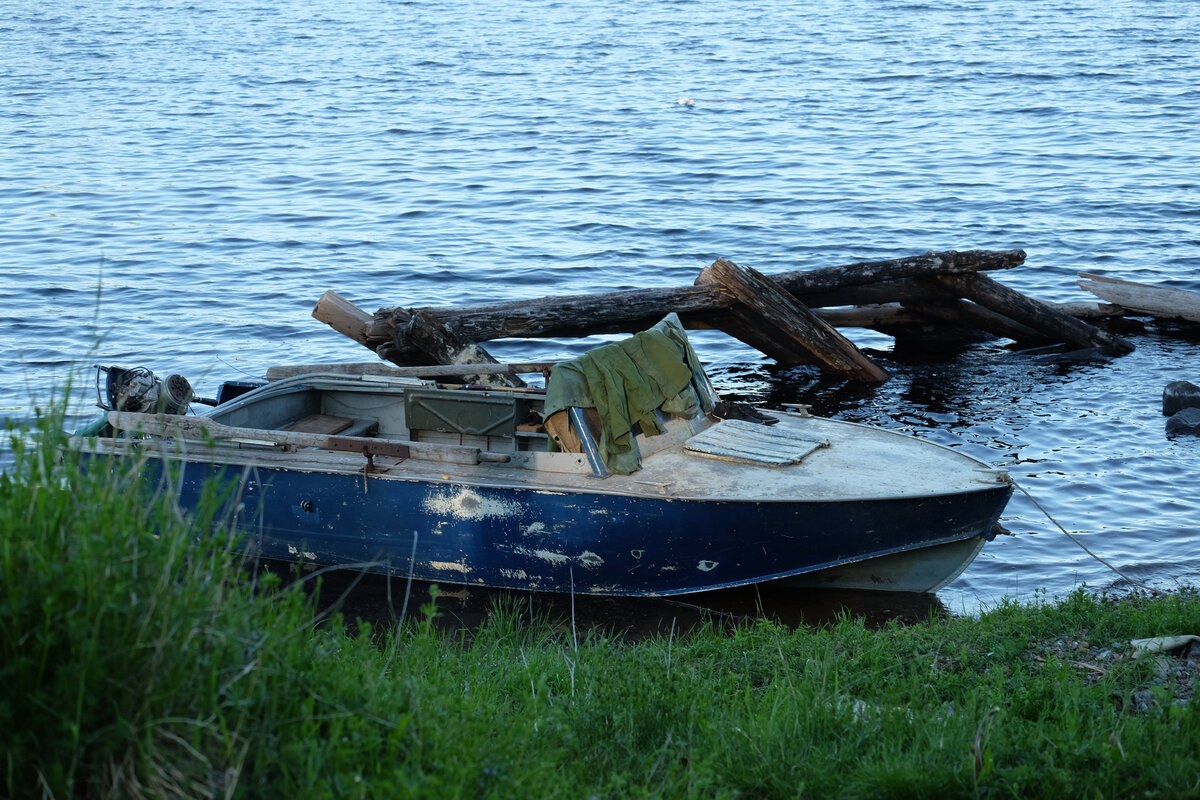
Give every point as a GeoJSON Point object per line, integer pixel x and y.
{"type": "Point", "coordinates": [791, 317]}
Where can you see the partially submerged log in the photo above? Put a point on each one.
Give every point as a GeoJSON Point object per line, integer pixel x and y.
{"type": "Point", "coordinates": [1157, 301]}
{"type": "Point", "coordinates": [786, 325]}
{"type": "Point", "coordinates": [1042, 317]}
{"type": "Point", "coordinates": [876, 316]}
{"type": "Point", "coordinates": [1081, 309]}
{"type": "Point", "coordinates": [638, 309]}
{"type": "Point", "coordinates": [933, 299]}
{"type": "Point", "coordinates": [947, 307]}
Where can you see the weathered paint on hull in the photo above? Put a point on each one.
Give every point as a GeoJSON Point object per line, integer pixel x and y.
{"type": "Point", "coordinates": [589, 543]}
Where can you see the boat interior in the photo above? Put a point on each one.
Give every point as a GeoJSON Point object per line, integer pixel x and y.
{"type": "Point", "coordinates": [340, 411]}
{"type": "Point", "coordinates": [396, 409]}
{"type": "Point", "coordinates": [407, 410]}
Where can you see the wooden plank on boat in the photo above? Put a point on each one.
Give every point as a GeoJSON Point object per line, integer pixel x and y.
{"type": "Point", "coordinates": [205, 428]}
{"type": "Point", "coordinates": [1037, 315]}
{"type": "Point", "coordinates": [280, 372]}
{"type": "Point", "coordinates": [320, 423]}
{"type": "Point", "coordinates": [787, 324]}
{"type": "Point", "coordinates": [1158, 301]}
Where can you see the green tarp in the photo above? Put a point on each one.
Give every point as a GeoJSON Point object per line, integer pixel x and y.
{"type": "Point", "coordinates": [626, 381]}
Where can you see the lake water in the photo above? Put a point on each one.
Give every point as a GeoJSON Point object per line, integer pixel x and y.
{"type": "Point", "coordinates": [179, 183]}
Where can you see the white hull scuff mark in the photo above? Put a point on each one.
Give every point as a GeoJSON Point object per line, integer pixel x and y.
{"type": "Point", "coordinates": [451, 566]}
{"type": "Point", "coordinates": [548, 556]}
{"type": "Point", "coordinates": [467, 504]}
{"type": "Point", "coordinates": [295, 551]}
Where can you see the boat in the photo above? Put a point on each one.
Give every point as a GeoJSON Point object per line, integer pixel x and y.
{"type": "Point", "coordinates": [540, 490]}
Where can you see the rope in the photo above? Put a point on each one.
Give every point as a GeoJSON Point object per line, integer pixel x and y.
{"type": "Point", "coordinates": [1074, 539]}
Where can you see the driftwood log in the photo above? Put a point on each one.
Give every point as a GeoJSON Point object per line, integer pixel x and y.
{"type": "Point", "coordinates": [415, 335]}
{"type": "Point", "coordinates": [785, 315]}
{"type": "Point", "coordinates": [936, 301]}
{"type": "Point", "coordinates": [1159, 301]}
{"type": "Point", "coordinates": [784, 328]}
{"type": "Point", "coordinates": [638, 309]}
{"type": "Point", "coordinates": [440, 343]}
{"type": "Point", "coordinates": [1042, 317]}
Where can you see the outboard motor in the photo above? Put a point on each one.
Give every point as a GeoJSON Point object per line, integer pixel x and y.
{"type": "Point", "coordinates": [138, 389]}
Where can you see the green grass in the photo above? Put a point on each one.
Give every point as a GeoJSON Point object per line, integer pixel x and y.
{"type": "Point", "coordinates": [140, 658]}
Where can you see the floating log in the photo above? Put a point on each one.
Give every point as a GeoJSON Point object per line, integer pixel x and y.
{"type": "Point", "coordinates": [876, 316]}
{"type": "Point", "coordinates": [415, 334]}
{"type": "Point", "coordinates": [1081, 309]}
{"type": "Point", "coordinates": [1042, 317]}
{"type": "Point", "coordinates": [897, 291]}
{"type": "Point", "coordinates": [969, 315]}
{"type": "Point", "coordinates": [343, 316]}
{"type": "Point", "coordinates": [352, 321]}
{"type": "Point", "coordinates": [936, 302]}
{"type": "Point", "coordinates": [439, 343]}
{"type": "Point", "coordinates": [1157, 301]}
{"type": "Point", "coordinates": [948, 262]}
{"type": "Point", "coordinates": [935, 298]}
{"type": "Point", "coordinates": [786, 325]}
{"type": "Point", "coordinates": [638, 309]}
{"type": "Point", "coordinates": [940, 304]}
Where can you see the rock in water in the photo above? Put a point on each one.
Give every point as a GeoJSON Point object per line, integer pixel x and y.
{"type": "Point", "coordinates": [1184, 421]}
{"type": "Point", "coordinates": [1180, 395]}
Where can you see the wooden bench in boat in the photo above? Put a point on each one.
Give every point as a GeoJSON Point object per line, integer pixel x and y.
{"type": "Point", "coordinates": [329, 425]}
{"type": "Point", "coordinates": [320, 423]}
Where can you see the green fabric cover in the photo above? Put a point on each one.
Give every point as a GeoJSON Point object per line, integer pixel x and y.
{"type": "Point", "coordinates": [625, 382]}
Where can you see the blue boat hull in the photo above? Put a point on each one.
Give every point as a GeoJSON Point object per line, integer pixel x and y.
{"type": "Point", "coordinates": [561, 541]}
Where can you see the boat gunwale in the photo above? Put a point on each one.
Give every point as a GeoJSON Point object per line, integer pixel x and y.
{"type": "Point", "coordinates": [381, 384]}
{"type": "Point", "coordinates": [449, 476]}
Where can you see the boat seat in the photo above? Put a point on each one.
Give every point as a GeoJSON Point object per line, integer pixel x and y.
{"type": "Point", "coordinates": [329, 425]}
{"type": "Point", "coordinates": [362, 427]}
{"type": "Point", "coordinates": [320, 423]}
